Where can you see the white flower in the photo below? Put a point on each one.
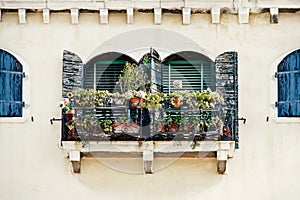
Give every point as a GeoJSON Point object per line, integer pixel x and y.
{"type": "Point", "coordinates": [141, 94]}
{"type": "Point", "coordinates": [177, 84]}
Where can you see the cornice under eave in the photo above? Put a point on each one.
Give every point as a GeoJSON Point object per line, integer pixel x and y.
{"type": "Point", "coordinates": [185, 7]}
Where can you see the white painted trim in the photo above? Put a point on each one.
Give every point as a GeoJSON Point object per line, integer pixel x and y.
{"type": "Point", "coordinates": [274, 94]}
{"type": "Point", "coordinates": [26, 93]}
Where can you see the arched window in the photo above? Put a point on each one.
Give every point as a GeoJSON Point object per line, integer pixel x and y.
{"type": "Point", "coordinates": [11, 86]}
{"type": "Point", "coordinates": [195, 70]}
{"type": "Point", "coordinates": [288, 75]}
{"type": "Point", "coordinates": [102, 72]}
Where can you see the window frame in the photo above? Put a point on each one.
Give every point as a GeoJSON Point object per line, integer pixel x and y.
{"type": "Point", "coordinates": [274, 92]}
{"type": "Point", "coordinates": [25, 93]}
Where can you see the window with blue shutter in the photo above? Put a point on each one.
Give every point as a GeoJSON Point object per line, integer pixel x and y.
{"type": "Point", "coordinates": [288, 75]}
{"type": "Point", "coordinates": [11, 75]}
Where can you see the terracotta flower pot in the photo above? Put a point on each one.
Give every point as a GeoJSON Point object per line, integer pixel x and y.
{"type": "Point", "coordinates": [160, 128]}
{"type": "Point", "coordinates": [136, 101]}
{"type": "Point", "coordinates": [176, 103]}
{"type": "Point", "coordinates": [172, 127]}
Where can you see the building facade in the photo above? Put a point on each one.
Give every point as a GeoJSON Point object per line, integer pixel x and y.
{"type": "Point", "coordinates": [34, 35]}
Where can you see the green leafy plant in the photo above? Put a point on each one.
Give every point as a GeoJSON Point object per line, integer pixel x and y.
{"type": "Point", "coordinates": [102, 97]}
{"type": "Point", "coordinates": [132, 78]}
{"type": "Point", "coordinates": [87, 124]}
{"type": "Point", "coordinates": [84, 98]}
{"type": "Point", "coordinates": [107, 125]}
{"type": "Point", "coordinates": [155, 100]}
{"type": "Point", "coordinates": [207, 99]}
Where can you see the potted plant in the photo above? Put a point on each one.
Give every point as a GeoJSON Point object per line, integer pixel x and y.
{"type": "Point", "coordinates": [185, 125]}
{"type": "Point", "coordinates": [107, 126]}
{"type": "Point", "coordinates": [176, 98]}
{"type": "Point", "coordinates": [132, 83]}
{"type": "Point", "coordinates": [173, 123]}
{"type": "Point", "coordinates": [137, 99]}
{"type": "Point", "coordinates": [102, 98]}
{"type": "Point", "coordinates": [207, 99]}
{"type": "Point", "coordinates": [155, 100]}
{"type": "Point", "coordinates": [160, 126]}
{"type": "Point", "coordinates": [84, 98]}
{"type": "Point", "coordinates": [119, 99]}
{"type": "Point", "coordinates": [87, 124]}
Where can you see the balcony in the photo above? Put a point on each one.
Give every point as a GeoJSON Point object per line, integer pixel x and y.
{"type": "Point", "coordinates": [147, 129]}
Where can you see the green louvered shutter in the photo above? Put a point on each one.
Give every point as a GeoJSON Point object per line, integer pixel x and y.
{"type": "Point", "coordinates": [196, 75]}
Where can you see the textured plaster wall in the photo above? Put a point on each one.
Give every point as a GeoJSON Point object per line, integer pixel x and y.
{"type": "Point", "coordinates": [265, 167]}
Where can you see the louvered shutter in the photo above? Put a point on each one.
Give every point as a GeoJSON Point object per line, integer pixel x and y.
{"type": "Point", "coordinates": [227, 85]}
{"type": "Point", "coordinates": [72, 73]}
{"type": "Point", "coordinates": [11, 75]}
{"type": "Point", "coordinates": [196, 75]}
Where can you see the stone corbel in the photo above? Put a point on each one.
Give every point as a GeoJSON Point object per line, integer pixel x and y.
{"type": "Point", "coordinates": [148, 157]}
{"type": "Point", "coordinates": [224, 151]}
{"type": "Point", "coordinates": [129, 15]}
{"type": "Point", "coordinates": [74, 15]}
{"type": "Point", "coordinates": [157, 15]}
{"type": "Point", "coordinates": [274, 15]}
{"type": "Point", "coordinates": [22, 15]}
{"type": "Point", "coordinates": [103, 16]}
{"type": "Point", "coordinates": [186, 15]}
{"type": "Point", "coordinates": [215, 15]}
{"type": "Point", "coordinates": [74, 157]}
{"type": "Point", "coordinates": [244, 15]}
{"type": "Point", "coordinates": [46, 16]}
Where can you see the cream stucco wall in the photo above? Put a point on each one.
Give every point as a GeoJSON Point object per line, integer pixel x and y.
{"type": "Point", "coordinates": [265, 167]}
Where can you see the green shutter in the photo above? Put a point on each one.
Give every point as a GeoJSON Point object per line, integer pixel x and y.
{"type": "Point", "coordinates": [195, 75]}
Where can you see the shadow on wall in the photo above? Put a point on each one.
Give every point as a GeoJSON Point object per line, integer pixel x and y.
{"type": "Point", "coordinates": [183, 176]}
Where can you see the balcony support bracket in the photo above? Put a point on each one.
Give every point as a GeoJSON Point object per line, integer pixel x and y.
{"type": "Point", "coordinates": [74, 157]}
{"type": "Point", "coordinates": [148, 157]}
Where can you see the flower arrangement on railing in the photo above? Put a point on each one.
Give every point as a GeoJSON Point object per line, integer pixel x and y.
{"type": "Point", "coordinates": [135, 90]}
{"type": "Point", "coordinates": [155, 100]}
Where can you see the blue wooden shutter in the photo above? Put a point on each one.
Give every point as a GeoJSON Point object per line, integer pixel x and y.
{"type": "Point", "coordinates": [227, 86]}
{"type": "Point", "coordinates": [289, 86]}
{"type": "Point", "coordinates": [11, 75]}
